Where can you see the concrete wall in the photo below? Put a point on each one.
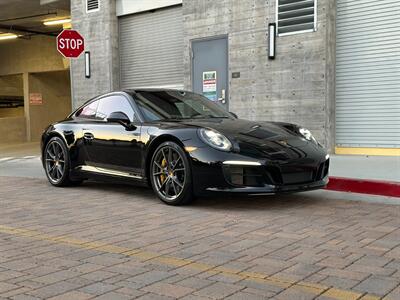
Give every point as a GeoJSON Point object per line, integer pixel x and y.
{"type": "Point", "coordinates": [100, 32]}
{"type": "Point", "coordinates": [56, 93]}
{"type": "Point", "coordinates": [37, 54]}
{"type": "Point", "coordinates": [12, 112]}
{"type": "Point", "coordinates": [295, 87]}
{"type": "Point", "coordinates": [12, 130]}
{"type": "Point", "coordinates": [11, 85]}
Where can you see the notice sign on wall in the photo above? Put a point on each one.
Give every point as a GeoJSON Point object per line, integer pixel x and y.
{"type": "Point", "coordinates": [35, 99]}
{"type": "Point", "coordinates": [210, 85]}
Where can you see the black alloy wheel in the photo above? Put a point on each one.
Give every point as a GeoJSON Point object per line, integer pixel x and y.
{"type": "Point", "coordinates": [170, 174]}
{"type": "Point", "coordinates": [56, 162]}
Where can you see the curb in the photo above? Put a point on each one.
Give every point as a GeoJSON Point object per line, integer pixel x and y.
{"type": "Point", "coordinates": [364, 186]}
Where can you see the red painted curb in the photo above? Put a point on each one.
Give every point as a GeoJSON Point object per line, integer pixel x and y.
{"type": "Point", "coordinates": [364, 186]}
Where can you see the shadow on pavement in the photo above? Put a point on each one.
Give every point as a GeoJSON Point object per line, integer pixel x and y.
{"type": "Point", "coordinates": [218, 202]}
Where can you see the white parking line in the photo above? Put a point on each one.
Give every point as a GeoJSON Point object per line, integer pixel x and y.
{"type": "Point", "coordinates": [16, 159]}
{"type": "Point", "coordinates": [6, 158]}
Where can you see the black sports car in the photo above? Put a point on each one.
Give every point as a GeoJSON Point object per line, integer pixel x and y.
{"type": "Point", "coordinates": [183, 145]}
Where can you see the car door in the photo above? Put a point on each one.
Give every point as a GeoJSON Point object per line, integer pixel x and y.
{"type": "Point", "coordinates": [109, 146]}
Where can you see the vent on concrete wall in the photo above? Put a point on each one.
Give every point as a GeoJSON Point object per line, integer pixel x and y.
{"type": "Point", "coordinates": [92, 5]}
{"type": "Point", "coordinates": [296, 16]}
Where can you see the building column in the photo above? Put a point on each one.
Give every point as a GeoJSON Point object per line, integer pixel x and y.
{"type": "Point", "coordinates": [25, 79]}
{"type": "Point", "coordinates": [100, 32]}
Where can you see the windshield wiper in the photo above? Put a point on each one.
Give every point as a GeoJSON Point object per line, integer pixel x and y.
{"type": "Point", "coordinates": [220, 117]}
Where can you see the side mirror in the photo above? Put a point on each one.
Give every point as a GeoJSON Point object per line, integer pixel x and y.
{"type": "Point", "coordinates": [235, 115]}
{"type": "Point", "coordinates": [121, 118]}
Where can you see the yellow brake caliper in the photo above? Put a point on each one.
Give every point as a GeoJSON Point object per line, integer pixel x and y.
{"type": "Point", "coordinates": [162, 176]}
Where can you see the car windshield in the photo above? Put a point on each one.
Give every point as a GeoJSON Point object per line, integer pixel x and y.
{"type": "Point", "coordinates": [172, 105]}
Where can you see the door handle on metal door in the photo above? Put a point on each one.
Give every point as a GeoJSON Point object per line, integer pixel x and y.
{"type": "Point", "coordinates": [222, 99]}
{"type": "Point", "coordinates": [88, 136]}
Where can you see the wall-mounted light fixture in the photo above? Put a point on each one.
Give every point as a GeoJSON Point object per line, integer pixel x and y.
{"type": "Point", "coordinates": [87, 64]}
{"type": "Point", "coordinates": [54, 22]}
{"type": "Point", "coordinates": [8, 36]}
{"type": "Point", "coordinates": [271, 40]}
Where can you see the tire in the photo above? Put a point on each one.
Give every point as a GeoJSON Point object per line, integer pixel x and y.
{"type": "Point", "coordinates": [57, 164]}
{"type": "Point", "coordinates": [170, 174]}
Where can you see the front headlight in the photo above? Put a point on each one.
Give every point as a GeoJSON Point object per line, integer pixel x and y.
{"type": "Point", "coordinates": [215, 139]}
{"type": "Point", "coordinates": [307, 135]}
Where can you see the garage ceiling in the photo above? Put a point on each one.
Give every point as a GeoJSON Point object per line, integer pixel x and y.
{"type": "Point", "coordinates": [26, 17]}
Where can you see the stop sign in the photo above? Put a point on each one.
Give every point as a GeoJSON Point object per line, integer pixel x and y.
{"type": "Point", "coordinates": [70, 43]}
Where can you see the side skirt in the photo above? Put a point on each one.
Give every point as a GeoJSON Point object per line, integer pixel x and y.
{"type": "Point", "coordinates": [109, 175]}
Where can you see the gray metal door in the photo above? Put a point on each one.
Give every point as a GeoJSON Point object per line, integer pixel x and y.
{"type": "Point", "coordinates": [210, 69]}
{"type": "Point", "coordinates": [368, 74]}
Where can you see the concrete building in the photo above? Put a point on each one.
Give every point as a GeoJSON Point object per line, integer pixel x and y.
{"type": "Point", "coordinates": [336, 66]}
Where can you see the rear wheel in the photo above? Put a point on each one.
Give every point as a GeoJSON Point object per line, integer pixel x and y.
{"type": "Point", "coordinates": [170, 174]}
{"type": "Point", "coordinates": [56, 163]}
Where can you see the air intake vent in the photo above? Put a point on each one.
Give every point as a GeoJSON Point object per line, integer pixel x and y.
{"type": "Point", "coordinates": [295, 16]}
{"type": "Point", "coordinates": [92, 5]}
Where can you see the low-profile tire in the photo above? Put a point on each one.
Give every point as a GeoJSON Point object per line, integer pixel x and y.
{"type": "Point", "coordinates": [57, 164]}
{"type": "Point", "coordinates": [170, 174]}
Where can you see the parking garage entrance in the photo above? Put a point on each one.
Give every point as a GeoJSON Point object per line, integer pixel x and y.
{"type": "Point", "coordinates": [35, 87]}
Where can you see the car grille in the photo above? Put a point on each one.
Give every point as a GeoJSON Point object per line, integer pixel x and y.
{"type": "Point", "coordinates": [244, 175]}
{"type": "Point", "coordinates": [254, 176]}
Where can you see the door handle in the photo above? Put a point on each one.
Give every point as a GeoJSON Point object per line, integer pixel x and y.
{"type": "Point", "coordinates": [88, 136]}
{"type": "Point", "coordinates": [222, 99]}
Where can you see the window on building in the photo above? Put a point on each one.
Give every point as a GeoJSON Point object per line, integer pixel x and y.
{"type": "Point", "coordinates": [296, 16]}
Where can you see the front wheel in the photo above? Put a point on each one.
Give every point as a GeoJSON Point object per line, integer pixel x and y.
{"type": "Point", "coordinates": [170, 174]}
{"type": "Point", "coordinates": [56, 163]}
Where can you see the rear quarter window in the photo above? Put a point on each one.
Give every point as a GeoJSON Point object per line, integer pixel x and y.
{"type": "Point", "coordinates": [88, 111]}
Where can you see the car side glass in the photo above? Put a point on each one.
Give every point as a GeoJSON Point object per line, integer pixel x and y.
{"type": "Point", "coordinates": [88, 111]}
{"type": "Point", "coordinates": [112, 104]}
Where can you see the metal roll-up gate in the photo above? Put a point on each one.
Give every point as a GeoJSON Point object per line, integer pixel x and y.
{"type": "Point", "coordinates": [151, 49]}
{"type": "Point", "coordinates": [368, 74]}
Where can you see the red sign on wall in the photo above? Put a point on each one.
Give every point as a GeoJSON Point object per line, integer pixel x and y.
{"type": "Point", "coordinates": [35, 99]}
{"type": "Point", "coordinates": [70, 43]}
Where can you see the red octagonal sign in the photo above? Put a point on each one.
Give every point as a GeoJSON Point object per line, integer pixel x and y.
{"type": "Point", "coordinates": [70, 43]}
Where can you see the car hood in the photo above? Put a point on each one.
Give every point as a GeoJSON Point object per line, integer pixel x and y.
{"type": "Point", "coordinates": [271, 140]}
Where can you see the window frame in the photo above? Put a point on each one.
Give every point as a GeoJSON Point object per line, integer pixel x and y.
{"type": "Point", "coordinates": [299, 31]}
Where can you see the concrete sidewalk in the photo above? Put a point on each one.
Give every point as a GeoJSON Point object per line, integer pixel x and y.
{"type": "Point", "coordinates": [385, 168]}
{"type": "Point", "coordinates": [376, 175]}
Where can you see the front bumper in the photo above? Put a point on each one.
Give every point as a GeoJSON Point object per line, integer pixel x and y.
{"type": "Point", "coordinates": [216, 172]}
{"type": "Point", "coordinates": [272, 189]}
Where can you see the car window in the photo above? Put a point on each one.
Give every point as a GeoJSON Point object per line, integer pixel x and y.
{"type": "Point", "coordinates": [88, 111]}
{"type": "Point", "coordinates": [166, 105]}
{"type": "Point", "coordinates": [148, 114]}
{"type": "Point", "coordinates": [112, 104]}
